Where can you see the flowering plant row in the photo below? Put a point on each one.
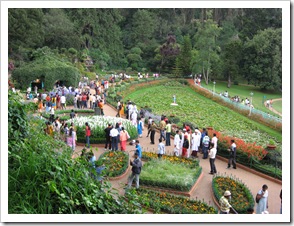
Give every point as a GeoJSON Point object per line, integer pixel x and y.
{"type": "Point", "coordinates": [116, 163]}
{"type": "Point", "coordinates": [250, 149]}
{"type": "Point", "coordinates": [242, 197]}
{"type": "Point", "coordinates": [98, 124]}
{"type": "Point", "coordinates": [174, 159]}
{"type": "Point", "coordinates": [164, 202]}
{"type": "Point", "coordinates": [171, 175]}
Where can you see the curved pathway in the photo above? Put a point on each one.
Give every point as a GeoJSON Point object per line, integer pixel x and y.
{"type": "Point", "coordinates": [203, 189]}
{"type": "Point", "coordinates": [272, 109]}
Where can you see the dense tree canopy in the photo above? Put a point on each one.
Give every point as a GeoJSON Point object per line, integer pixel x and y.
{"type": "Point", "coordinates": [225, 43]}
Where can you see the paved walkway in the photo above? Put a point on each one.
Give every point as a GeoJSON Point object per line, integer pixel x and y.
{"type": "Point", "coordinates": [203, 189]}
{"type": "Point", "coordinates": [272, 109]}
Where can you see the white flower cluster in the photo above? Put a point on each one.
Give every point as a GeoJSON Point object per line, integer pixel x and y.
{"type": "Point", "coordinates": [100, 121]}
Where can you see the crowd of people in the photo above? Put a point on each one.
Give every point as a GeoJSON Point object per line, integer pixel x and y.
{"type": "Point", "coordinates": [187, 143]}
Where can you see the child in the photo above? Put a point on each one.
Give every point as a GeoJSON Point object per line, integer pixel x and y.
{"type": "Point", "coordinates": [161, 148]}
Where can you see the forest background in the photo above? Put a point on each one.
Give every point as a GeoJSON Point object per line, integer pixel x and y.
{"type": "Point", "coordinates": [236, 45]}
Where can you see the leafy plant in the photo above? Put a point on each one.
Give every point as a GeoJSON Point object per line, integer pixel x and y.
{"type": "Point", "coordinates": [116, 163]}
{"type": "Point", "coordinates": [242, 198]}
{"type": "Point", "coordinates": [167, 203]}
{"type": "Point", "coordinates": [166, 174]}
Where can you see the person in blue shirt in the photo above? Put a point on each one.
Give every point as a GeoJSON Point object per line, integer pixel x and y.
{"type": "Point", "coordinates": [138, 149]}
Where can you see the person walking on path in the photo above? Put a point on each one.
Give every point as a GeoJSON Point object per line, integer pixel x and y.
{"type": "Point", "coordinates": [139, 127]}
{"type": "Point", "coordinates": [214, 140]}
{"type": "Point", "coordinates": [225, 206]}
{"type": "Point", "coordinates": [161, 149]}
{"type": "Point", "coordinates": [87, 134]}
{"type": "Point", "coordinates": [177, 143]}
{"type": "Point", "coordinates": [232, 158]}
{"type": "Point", "coordinates": [138, 149]}
{"type": "Point", "coordinates": [107, 137]}
{"type": "Point", "coordinates": [114, 138]}
{"type": "Point", "coordinates": [124, 136]}
{"type": "Point", "coordinates": [136, 170]}
{"type": "Point", "coordinates": [168, 132]}
{"type": "Point", "coordinates": [205, 145]}
{"type": "Point", "coordinates": [212, 155]}
{"type": "Point", "coordinates": [63, 102]}
{"type": "Point", "coordinates": [185, 147]}
{"type": "Point", "coordinates": [162, 126]}
{"type": "Point", "coordinates": [152, 129]}
{"type": "Point", "coordinates": [262, 199]}
{"type": "Point", "coordinates": [149, 125]}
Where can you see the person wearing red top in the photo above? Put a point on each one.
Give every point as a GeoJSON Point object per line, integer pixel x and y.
{"type": "Point", "coordinates": [84, 101]}
{"type": "Point", "coordinates": [88, 134]}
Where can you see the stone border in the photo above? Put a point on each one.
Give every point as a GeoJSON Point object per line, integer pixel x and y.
{"type": "Point", "coordinates": [252, 171]}
{"type": "Point", "coordinates": [188, 194]}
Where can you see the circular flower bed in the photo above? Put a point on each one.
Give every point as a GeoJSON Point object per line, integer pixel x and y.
{"type": "Point", "coordinates": [164, 202]}
{"type": "Point", "coordinates": [98, 124]}
{"type": "Point", "coordinates": [242, 198]}
{"type": "Point", "coordinates": [116, 163]}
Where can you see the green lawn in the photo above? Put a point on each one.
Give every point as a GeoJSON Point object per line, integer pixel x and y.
{"type": "Point", "coordinates": [277, 105]}
{"type": "Point", "coordinates": [244, 91]}
{"type": "Point", "coordinates": [203, 112]}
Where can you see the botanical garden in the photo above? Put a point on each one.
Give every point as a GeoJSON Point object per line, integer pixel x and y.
{"type": "Point", "coordinates": [193, 55]}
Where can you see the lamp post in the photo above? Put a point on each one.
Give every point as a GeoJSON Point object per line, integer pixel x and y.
{"type": "Point", "coordinates": [250, 106]}
{"type": "Point", "coordinates": [213, 87]}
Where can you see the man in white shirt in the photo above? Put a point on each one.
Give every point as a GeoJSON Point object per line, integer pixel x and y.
{"type": "Point", "coordinates": [114, 138]}
{"type": "Point", "coordinates": [62, 101]}
{"type": "Point", "coordinates": [212, 155]}
{"type": "Point", "coordinates": [232, 158]}
{"type": "Point", "coordinates": [214, 141]}
{"type": "Point", "coordinates": [177, 144]}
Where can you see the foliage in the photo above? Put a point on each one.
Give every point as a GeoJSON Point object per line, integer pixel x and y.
{"type": "Point", "coordinates": [48, 69]}
{"type": "Point", "coordinates": [263, 59]}
{"type": "Point", "coordinates": [44, 179]}
{"type": "Point", "coordinates": [168, 174]}
{"type": "Point", "coordinates": [167, 203]}
{"type": "Point", "coordinates": [205, 42]}
{"type": "Point", "coordinates": [98, 124]}
{"type": "Point", "coordinates": [116, 163]}
{"type": "Point", "coordinates": [185, 56]}
{"type": "Point", "coordinates": [242, 197]}
{"type": "Point", "coordinates": [205, 112]}
{"type": "Point", "coordinates": [174, 159]}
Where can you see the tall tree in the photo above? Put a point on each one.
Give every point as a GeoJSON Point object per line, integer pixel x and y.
{"type": "Point", "coordinates": [25, 28]}
{"type": "Point", "coordinates": [231, 57]}
{"type": "Point", "coordinates": [208, 50]}
{"type": "Point", "coordinates": [184, 58]}
{"type": "Point", "coordinates": [59, 30]}
{"type": "Point", "coordinates": [263, 59]}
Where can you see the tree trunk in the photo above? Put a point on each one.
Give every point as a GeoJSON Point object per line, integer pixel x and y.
{"type": "Point", "coordinates": [229, 82]}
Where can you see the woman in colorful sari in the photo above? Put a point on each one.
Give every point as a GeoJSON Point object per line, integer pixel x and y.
{"type": "Point", "coordinates": [124, 136]}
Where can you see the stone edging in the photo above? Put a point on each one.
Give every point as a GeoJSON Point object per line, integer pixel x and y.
{"type": "Point", "coordinates": [253, 171]}
{"type": "Point", "coordinates": [188, 194]}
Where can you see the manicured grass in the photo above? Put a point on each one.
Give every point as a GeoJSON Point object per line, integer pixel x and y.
{"type": "Point", "coordinates": [203, 112]}
{"type": "Point", "coordinates": [244, 91]}
{"type": "Point", "coordinates": [277, 105]}
{"type": "Point", "coordinates": [170, 175]}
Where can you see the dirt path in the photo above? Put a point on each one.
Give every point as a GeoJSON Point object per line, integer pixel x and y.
{"type": "Point", "coordinates": [272, 109]}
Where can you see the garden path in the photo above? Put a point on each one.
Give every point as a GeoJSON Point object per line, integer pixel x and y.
{"type": "Point", "coordinates": [272, 109]}
{"type": "Point", "coordinates": [203, 189]}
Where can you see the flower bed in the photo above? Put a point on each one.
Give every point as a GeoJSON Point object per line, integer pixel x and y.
{"type": "Point", "coordinates": [116, 163]}
{"type": "Point", "coordinates": [187, 161]}
{"type": "Point", "coordinates": [164, 202]}
{"type": "Point", "coordinates": [242, 197]}
{"type": "Point", "coordinates": [98, 124]}
{"type": "Point", "coordinates": [162, 173]}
